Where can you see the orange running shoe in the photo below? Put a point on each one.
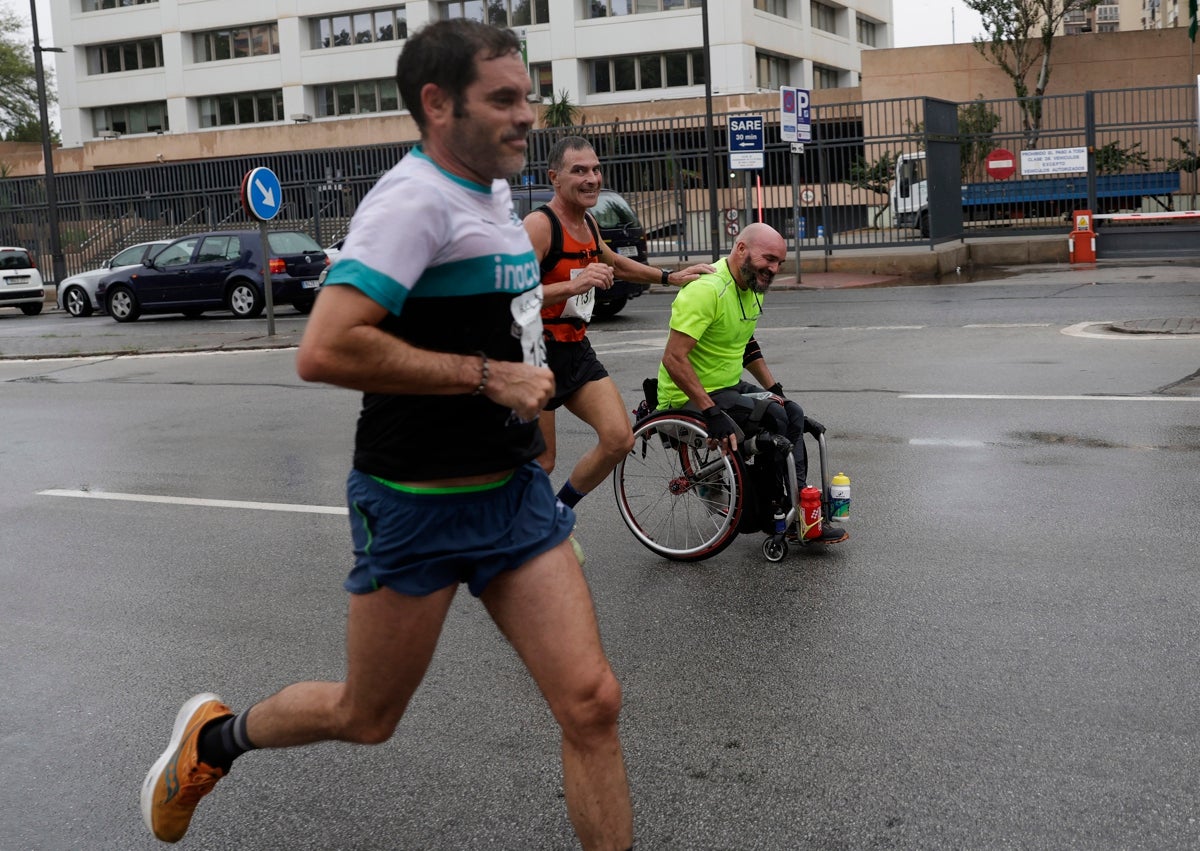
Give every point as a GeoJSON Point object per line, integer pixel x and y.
{"type": "Point", "coordinates": [177, 782]}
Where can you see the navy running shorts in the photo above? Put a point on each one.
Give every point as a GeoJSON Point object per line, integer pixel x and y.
{"type": "Point", "coordinates": [573, 365]}
{"type": "Point", "coordinates": [418, 543]}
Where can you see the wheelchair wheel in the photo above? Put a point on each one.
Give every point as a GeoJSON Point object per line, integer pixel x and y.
{"type": "Point", "coordinates": [679, 498]}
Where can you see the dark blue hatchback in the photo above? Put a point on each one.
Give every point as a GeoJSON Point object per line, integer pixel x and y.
{"type": "Point", "coordinates": [220, 270]}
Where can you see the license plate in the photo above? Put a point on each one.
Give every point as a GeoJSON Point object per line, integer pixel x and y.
{"type": "Point", "coordinates": [310, 285]}
{"type": "Point", "coordinates": [17, 279]}
{"type": "Point", "coordinates": [628, 250]}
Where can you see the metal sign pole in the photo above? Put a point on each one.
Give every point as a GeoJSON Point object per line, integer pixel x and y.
{"type": "Point", "coordinates": [268, 289]}
{"type": "Point", "coordinates": [796, 209]}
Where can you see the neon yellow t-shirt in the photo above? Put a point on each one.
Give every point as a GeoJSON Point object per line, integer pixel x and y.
{"type": "Point", "coordinates": [721, 317]}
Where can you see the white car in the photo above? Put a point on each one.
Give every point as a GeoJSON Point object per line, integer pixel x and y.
{"type": "Point", "coordinates": [20, 282]}
{"type": "Point", "coordinates": [334, 250]}
{"type": "Point", "coordinates": [77, 294]}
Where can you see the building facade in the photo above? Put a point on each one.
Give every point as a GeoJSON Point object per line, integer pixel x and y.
{"type": "Point", "coordinates": [157, 67]}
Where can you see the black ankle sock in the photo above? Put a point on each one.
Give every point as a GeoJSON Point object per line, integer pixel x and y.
{"type": "Point", "coordinates": [223, 740]}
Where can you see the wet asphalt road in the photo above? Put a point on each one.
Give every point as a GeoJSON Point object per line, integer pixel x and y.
{"type": "Point", "coordinates": [1004, 655]}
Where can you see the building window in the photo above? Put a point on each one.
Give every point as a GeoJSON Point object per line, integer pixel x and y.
{"type": "Point", "coordinates": [1108, 13]}
{"type": "Point", "coordinates": [825, 77]}
{"type": "Point", "coordinates": [823, 17]}
{"type": "Point", "coordinates": [651, 71]}
{"type": "Point", "coordinates": [359, 97]}
{"type": "Point", "coordinates": [543, 80]}
{"type": "Point", "coordinates": [96, 5]}
{"type": "Point", "coordinates": [236, 43]}
{"type": "Point", "coordinates": [124, 56]}
{"type": "Point", "coordinates": [241, 108]}
{"type": "Point", "coordinates": [501, 13]}
{"type": "Point", "coordinates": [612, 8]}
{"type": "Point", "coordinates": [866, 32]}
{"type": "Point", "coordinates": [773, 71]}
{"type": "Point", "coordinates": [359, 28]}
{"type": "Point", "coordinates": [131, 118]}
{"type": "Point", "coordinates": [772, 7]}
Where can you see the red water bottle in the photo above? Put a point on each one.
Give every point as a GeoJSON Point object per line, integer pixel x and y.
{"type": "Point", "coordinates": [810, 513]}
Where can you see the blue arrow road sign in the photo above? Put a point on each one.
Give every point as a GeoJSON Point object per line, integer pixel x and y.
{"type": "Point", "coordinates": [746, 141]}
{"type": "Point", "coordinates": [262, 196]}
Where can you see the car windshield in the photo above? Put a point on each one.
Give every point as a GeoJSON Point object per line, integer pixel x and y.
{"type": "Point", "coordinates": [292, 242]}
{"type": "Point", "coordinates": [15, 258]}
{"type": "Point", "coordinates": [611, 211]}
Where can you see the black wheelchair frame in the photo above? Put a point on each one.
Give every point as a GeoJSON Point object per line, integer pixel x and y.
{"type": "Point", "coordinates": [687, 501]}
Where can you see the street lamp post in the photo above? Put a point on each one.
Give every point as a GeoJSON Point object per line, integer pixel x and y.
{"type": "Point", "coordinates": [58, 263]}
{"type": "Point", "coordinates": [713, 214]}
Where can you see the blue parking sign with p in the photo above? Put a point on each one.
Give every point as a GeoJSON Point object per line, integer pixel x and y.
{"type": "Point", "coordinates": [795, 122]}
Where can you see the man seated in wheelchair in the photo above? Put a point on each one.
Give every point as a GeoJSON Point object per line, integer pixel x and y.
{"type": "Point", "coordinates": [712, 340]}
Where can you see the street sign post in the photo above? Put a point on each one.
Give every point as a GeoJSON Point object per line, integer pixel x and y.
{"type": "Point", "coordinates": [262, 196]}
{"type": "Point", "coordinates": [746, 142]}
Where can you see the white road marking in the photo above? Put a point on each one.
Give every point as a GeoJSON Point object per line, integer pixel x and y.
{"type": "Point", "coordinates": [938, 441]}
{"type": "Point", "coordinates": [101, 358]}
{"type": "Point", "coordinates": [1080, 329]}
{"type": "Point", "coordinates": [1003, 397]}
{"type": "Point", "coordinates": [203, 503]}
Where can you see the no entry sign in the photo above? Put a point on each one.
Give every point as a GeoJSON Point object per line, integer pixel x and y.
{"type": "Point", "coordinates": [1000, 164]}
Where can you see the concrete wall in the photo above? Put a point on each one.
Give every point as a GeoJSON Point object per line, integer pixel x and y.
{"type": "Point", "coordinates": [1080, 63]}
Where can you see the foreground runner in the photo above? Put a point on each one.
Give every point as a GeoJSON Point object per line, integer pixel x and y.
{"type": "Point", "coordinates": [441, 331]}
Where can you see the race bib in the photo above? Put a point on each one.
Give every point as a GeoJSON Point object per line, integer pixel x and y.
{"type": "Point", "coordinates": [580, 306]}
{"type": "Point", "coordinates": [527, 325]}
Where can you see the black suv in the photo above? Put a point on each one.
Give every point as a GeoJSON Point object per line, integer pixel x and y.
{"type": "Point", "coordinates": [219, 270]}
{"type": "Point", "coordinates": [619, 227]}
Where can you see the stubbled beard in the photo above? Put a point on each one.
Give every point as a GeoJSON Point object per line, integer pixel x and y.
{"type": "Point", "coordinates": [751, 277]}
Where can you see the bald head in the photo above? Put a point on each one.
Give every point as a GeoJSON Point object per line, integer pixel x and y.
{"type": "Point", "coordinates": [757, 254]}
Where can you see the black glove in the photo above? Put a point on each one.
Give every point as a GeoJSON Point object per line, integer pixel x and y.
{"type": "Point", "coordinates": [718, 424]}
{"type": "Point", "coordinates": [776, 388]}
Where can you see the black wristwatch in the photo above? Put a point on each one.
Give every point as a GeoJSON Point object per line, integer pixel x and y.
{"type": "Point", "coordinates": [666, 275]}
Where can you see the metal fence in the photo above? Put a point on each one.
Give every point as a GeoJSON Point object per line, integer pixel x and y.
{"type": "Point", "coordinates": [831, 196]}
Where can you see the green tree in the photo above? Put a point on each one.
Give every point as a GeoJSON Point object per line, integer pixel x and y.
{"type": "Point", "coordinates": [1189, 160]}
{"type": "Point", "coordinates": [1019, 39]}
{"type": "Point", "coordinates": [18, 79]}
{"type": "Point", "coordinates": [977, 124]}
{"type": "Point", "coordinates": [30, 131]}
{"type": "Point", "coordinates": [875, 176]}
{"type": "Point", "coordinates": [1113, 159]}
{"type": "Point", "coordinates": [560, 112]}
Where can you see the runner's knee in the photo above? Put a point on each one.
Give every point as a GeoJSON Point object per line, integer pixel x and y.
{"type": "Point", "coordinates": [593, 712]}
{"type": "Point", "coordinates": [616, 443]}
{"type": "Point", "coordinates": [364, 727]}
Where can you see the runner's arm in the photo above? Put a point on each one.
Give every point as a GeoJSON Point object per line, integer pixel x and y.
{"type": "Point", "coordinates": [344, 346]}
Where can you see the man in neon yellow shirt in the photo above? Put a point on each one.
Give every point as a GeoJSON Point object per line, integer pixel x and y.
{"type": "Point", "coordinates": [712, 341]}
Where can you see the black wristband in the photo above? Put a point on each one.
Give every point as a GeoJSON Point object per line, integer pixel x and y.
{"type": "Point", "coordinates": [666, 277]}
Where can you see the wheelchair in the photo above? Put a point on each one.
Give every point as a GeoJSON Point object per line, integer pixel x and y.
{"type": "Point", "coordinates": [687, 502]}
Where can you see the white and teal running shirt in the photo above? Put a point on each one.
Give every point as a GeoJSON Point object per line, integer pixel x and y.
{"type": "Point", "coordinates": [450, 261]}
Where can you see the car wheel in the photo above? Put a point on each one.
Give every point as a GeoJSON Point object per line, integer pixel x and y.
{"type": "Point", "coordinates": [76, 302]}
{"type": "Point", "coordinates": [122, 304]}
{"type": "Point", "coordinates": [609, 309]}
{"type": "Point", "coordinates": [31, 309]}
{"type": "Point", "coordinates": [244, 300]}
